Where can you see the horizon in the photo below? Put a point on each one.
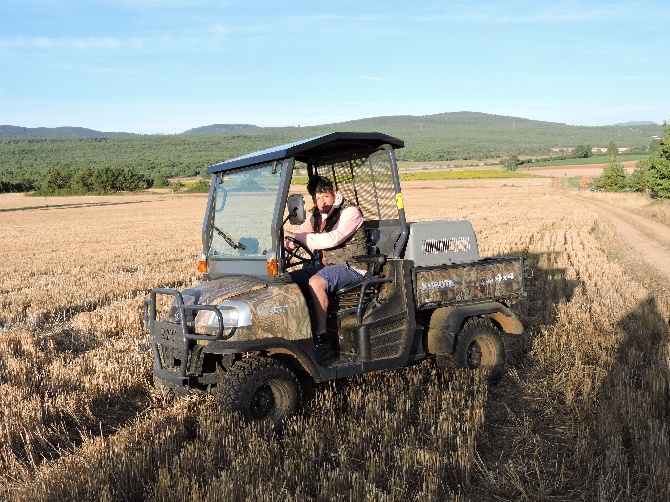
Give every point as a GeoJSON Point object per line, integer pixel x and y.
{"type": "Point", "coordinates": [150, 67]}
{"type": "Point", "coordinates": [629, 123]}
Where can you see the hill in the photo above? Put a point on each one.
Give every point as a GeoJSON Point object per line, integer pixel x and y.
{"type": "Point", "coordinates": [9, 131]}
{"type": "Point", "coordinates": [636, 123]}
{"type": "Point", "coordinates": [17, 132]}
{"type": "Point", "coordinates": [439, 137]}
{"type": "Point", "coordinates": [220, 128]}
{"type": "Point", "coordinates": [471, 135]}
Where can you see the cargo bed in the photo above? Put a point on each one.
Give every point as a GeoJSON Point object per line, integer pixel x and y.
{"type": "Point", "coordinates": [486, 279]}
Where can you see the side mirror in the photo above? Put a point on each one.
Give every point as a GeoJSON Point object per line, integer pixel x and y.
{"type": "Point", "coordinates": [296, 209]}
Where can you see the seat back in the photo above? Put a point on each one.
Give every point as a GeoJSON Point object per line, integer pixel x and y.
{"type": "Point", "coordinates": [382, 235]}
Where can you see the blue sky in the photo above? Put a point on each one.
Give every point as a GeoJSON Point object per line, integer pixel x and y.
{"type": "Point", "coordinates": [165, 66]}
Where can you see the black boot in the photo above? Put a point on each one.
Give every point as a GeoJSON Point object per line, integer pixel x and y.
{"type": "Point", "coordinates": [322, 347]}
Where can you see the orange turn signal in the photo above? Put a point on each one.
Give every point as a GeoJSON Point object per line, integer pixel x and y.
{"type": "Point", "coordinates": [202, 262]}
{"type": "Point", "coordinates": [272, 264]}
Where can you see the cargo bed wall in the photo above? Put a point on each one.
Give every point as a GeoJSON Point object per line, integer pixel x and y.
{"type": "Point", "coordinates": [486, 279]}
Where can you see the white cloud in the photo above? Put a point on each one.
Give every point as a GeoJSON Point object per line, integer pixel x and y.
{"type": "Point", "coordinates": [84, 68]}
{"type": "Point", "coordinates": [82, 44]}
{"type": "Point", "coordinates": [155, 43]}
{"type": "Point", "coordinates": [376, 79]}
{"type": "Point", "coordinates": [541, 12]}
{"type": "Point", "coordinates": [600, 78]}
{"type": "Point", "coordinates": [220, 30]}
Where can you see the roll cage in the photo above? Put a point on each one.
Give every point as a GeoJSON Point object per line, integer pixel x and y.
{"type": "Point", "coordinates": [362, 166]}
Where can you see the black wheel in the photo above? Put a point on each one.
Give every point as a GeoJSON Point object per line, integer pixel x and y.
{"type": "Point", "coordinates": [480, 345]}
{"type": "Point", "coordinates": [263, 389]}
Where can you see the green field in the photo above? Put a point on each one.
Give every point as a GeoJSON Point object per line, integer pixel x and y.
{"type": "Point", "coordinates": [463, 175]}
{"type": "Point", "coordinates": [596, 159]}
{"type": "Point", "coordinates": [446, 175]}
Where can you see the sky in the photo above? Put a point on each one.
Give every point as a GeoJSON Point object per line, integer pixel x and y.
{"type": "Point", "coordinates": [166, 66]}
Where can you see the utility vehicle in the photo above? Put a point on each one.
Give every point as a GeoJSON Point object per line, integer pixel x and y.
{"type": "Point", "coordinates": [244, 333]}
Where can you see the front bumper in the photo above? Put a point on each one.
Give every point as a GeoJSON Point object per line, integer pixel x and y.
{"type": "Point", "coordinates": [172, 343]}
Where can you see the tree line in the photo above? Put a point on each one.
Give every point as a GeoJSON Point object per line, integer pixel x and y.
{"type": "Point", "coordinates": [65, 179]}
{"type": "Point", "coordinates": [651, 175]}
{"type": "Point", "coordinates": [24, 162]}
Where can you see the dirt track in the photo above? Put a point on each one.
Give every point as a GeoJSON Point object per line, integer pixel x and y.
{"type": "Point", "coordinates": [644, 236]}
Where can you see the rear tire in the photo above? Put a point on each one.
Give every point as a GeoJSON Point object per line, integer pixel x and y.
{"type": "Point", "coordinates": [263, 389]}
{"type": "Point", "coordinates": [480, 345]}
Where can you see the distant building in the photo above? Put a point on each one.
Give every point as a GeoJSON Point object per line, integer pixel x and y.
{"type": "Point", "coordinates": [600, 149]}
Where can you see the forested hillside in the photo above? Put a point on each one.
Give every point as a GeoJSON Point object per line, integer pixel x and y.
{"type": "Point", "coordinates": [445, 136]}
{"type": "Point", "coordinates": [469, 135]}
{"type": "Point", "coordinates": [16, 132]}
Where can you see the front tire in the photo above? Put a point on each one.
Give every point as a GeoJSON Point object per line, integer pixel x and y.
{"type": "Point", "coordinates": [263, 389]}
{"type": "Point", "coordinates": [480, 346]}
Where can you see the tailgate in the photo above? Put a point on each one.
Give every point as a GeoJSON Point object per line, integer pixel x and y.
{"type": "Point", "coordinates": [486, 279]}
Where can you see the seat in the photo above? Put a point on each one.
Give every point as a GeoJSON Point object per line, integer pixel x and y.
{"type": "Point", "coordinates": [355, 297]}
{"type": "Point", "coordinates": [344, 295]}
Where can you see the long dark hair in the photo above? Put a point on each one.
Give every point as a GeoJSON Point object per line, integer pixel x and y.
{"type": "Point", "coordinates": [319, 184]}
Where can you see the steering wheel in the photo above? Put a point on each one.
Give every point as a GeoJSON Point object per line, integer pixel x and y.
{"type": "Point", "coordinates": [293, 257]}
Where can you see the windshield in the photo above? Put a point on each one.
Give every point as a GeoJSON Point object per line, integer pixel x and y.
{"type": "Point", "coordinates": [244, 207]}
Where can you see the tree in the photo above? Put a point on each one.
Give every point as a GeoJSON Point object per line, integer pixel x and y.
{"type": "Point", "coordinates": [82, 180]}
{"type": "Point", "coordinates": [57, 178]}
{"type": "Point", "coordinates": [161, 181]}
{"type": "Point", "coordinates": [104, 180]}
{"type": "Point", "coordinates": [23, 184]}
{"type": "Point", "coordinates": [659, 177]}
{"type": "Point", "coordinates": [511, 163]}
{"type": "Point", "coordinates": [654, 146]}
{"type": "Point", "coordinates": [613, 178]}
{"type": "Point", "coordinates": [612, 152]}
{"type": "Point", "coordinates": [659, 166]}
{"type": "Point", "coordinates": [639, 179]}
{"type": "Point", "coordinates": [129, 180]}
{"type": "Point", "coordinates": [581, 152]}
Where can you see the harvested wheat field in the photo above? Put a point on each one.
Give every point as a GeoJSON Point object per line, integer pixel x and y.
{"type": "Point", "coordinates": [582, 413]}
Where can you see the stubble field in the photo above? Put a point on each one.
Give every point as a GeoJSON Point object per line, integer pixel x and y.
{"type": "Point", "coordinates": [582, 413]}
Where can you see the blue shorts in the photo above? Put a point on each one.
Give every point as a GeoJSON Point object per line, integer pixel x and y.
{"type": "Point", "coordinates": [336, 276]}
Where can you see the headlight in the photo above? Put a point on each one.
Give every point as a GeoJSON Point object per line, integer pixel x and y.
{"type": "Point", "coordinates": [230, 315]}
{"type": "Point", "coordinates": [234, 315]}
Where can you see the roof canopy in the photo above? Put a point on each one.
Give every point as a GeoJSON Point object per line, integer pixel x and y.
{"type": "Point", "coordinates": [312, 149]}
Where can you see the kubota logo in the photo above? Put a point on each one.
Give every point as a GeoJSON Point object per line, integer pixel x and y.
{"type": "Point", "coordinates": [273, 310]}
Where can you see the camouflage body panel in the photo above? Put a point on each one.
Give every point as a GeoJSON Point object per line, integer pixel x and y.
{"type": "Point", "coordinates": [487, 279]}
{"type": "Point", "coordinates": [215, 291]}
{"type": "Point", "coordinates": [278, 308]}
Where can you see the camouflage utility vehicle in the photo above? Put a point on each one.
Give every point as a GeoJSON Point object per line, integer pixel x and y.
{"type": "Point", "coordinates": [244, 334]}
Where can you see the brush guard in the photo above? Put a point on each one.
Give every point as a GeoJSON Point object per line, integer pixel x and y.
{"type": "Point", "coordinates": [176, 336]}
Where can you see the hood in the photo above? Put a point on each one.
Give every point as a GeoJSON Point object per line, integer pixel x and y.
{"type": "Point", "coordinates": [215, 291]}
